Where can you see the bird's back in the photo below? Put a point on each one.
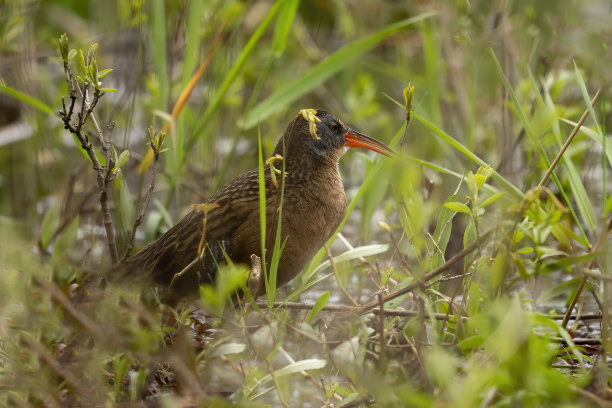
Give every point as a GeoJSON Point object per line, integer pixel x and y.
{"type": "Point", "coordinates": [311, 213]}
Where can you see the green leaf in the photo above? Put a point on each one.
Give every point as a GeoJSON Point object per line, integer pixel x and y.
{"type": "Point", "coordinates": [480, 180]}
{"type": "Point", "coordinates": [27, 99]}
{"type": "Point", "coordinates": [471, 343]}
{"type": "Point", "coordinates": [318, 306]}
{"type": "Point", "coordinates": [284, 24]}
{"type": "Point", "coordinates": [72, 54]}
{"type": "Point", "coordinates": [121, 366]}
{"type": "Point", "coordinates": [123, 158]}
{"type": "Point", "coordinates": [108, 90]}
{"type": "Point", "coordinates": [82, 65]}
{"type": "Point", "coordinates": [458, 207]}
{"type": "Point", "coordinates": [49, 225]}
{"type": "Point", "coordinates": [443, 229]}
{"type": "Point", "coordinates": [335, 62]}
{"type": "Point", "coordinates": [104, 72]}
{"type": "Point", "coordinates": [492, 199]}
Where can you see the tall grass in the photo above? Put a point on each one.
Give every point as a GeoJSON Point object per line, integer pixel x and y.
{"type": "Point", "coordinates": [475, 285]}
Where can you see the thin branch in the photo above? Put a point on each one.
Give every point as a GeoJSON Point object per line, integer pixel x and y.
{"type": "Point", "coordinates": [103, 173]}
{"type": "Point", "coordinates": [568, 141]}
{"type": "Point", "coordinates": [603, 238]}
{"type": "Point", "coordinates": [430, 275]}
{"type": "Point", "coordinates": [145, 205]}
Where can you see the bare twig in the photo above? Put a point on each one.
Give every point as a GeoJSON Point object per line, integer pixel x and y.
{"type": "Point", "coordinates": [145, 204]}
{"type": "Point", "coordinates": [445, 266]}
{"type": "Point", "coordinates": [568, 141]}
{"type": "Point", "coordinates": [603, 238]}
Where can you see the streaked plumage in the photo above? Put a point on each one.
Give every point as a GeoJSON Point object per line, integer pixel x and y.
{"type": "Point", "coordinates": [314, 205]}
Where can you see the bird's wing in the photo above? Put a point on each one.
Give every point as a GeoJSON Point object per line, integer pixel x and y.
{"type": "Point", "coordinates": [178, 247]}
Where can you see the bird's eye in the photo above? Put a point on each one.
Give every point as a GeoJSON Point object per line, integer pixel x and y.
{"type": "Point", "coordinates": [335, 127]}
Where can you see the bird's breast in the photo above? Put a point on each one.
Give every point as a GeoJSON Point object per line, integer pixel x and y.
{"type": "Point", "coordinates": [311, 215]}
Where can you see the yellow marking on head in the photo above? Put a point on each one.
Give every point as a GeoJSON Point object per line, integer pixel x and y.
{"type": "Point", "coordinates": [311, 116]}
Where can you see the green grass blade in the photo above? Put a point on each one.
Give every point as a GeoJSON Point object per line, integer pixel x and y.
{"type": "Point", "coordinates": [158, 49]}
{"type": "Point", "coordinates": [192, 37]}
{"type": "Point", "coordinates": [585, 207]}
{"type": "Point", "coordinates": [27, 99]}
{"type": "Point", "coordinates": [276, 254]}
{"type": "Point", "coordinates": [342, 58]}
{"type": "Point", "coordinates": [587, 98]}
{"type": "Point", "coordinates": [507, 186]}
{"type": "Point", "coordinates": [284, 23]}
{"type": "Point", "coordinates": [431, 51]}
{"type": "Point", "coordinates": [232, 74]}
{"type": "Point", "coordinates": [262, 207]}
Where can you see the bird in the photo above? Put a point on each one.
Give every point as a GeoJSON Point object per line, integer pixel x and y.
{"type": "Point", "coordinates": [228, 224]}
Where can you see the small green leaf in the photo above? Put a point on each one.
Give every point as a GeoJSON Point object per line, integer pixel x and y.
{"type": "Point", "coordinates": [492, 199]}
{"type": "Point", "coordinates": [82, 64]}
{"type": "Point", "coordinates": [104, 72]}
{"type": "Point", "coordinates": [123, 158]}
{"type": "Point", "coordinates": [458, 207]}
{"type": "Point", "coordinates": [63, 45]}
{"type": "Point", "coordinates": [524, 251]}
{"type": "Point", "coordinates": [318, 306]}
{"type": "Point", "coordinates": [72, 54]}
{"type": "Point", "coordinates": [108, 90]}
{"type": "Point", "coordinates": [122, 366]}
{"type": "Point", "coordinates": [480, 180]}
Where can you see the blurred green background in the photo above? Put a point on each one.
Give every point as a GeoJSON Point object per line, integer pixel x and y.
{"type": "Point", "coordinates": [496, 82]}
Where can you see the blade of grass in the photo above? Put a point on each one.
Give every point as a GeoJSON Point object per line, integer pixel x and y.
{"type": "Point", "coordinates": [262, 207]}
{"type": "Point", "coordinates": [284, 22]}
{"type": "Point", "coordinates": [27, 99]}
{"type": "Point", "coordinates": [192, 39]}
{"type": "Point", "coordinates": [335, 62]}
{"type": "Point", "coordinates": [183, 97]}
{"type": "Point", "coordinates": [585, 207]}
{"type": "Point", "coordinates": [507, 186]}
{"type": "Point", "coordinates": [431, 51]}
{"type": "Point", "coordinates": [158, 48]}
{"type": "Point", "coordinates": [271, 289]}
{"type": "Point", "coordinates": [607, 148]}
{"type": "Point", "coordinates": [587, 99]}
{"type": "Point", "coordinates": [232, 74]}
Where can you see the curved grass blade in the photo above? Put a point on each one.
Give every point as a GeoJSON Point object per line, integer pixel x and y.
{"type": "Point", "coordinates": [27, 99]}
{"type": "Point", "coordinates": [232, 74]}
{"type": "Point", "coordinates": [342, 58]}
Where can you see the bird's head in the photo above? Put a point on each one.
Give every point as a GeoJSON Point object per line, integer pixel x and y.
{"type": "Point", "coordinates": [324, 136]}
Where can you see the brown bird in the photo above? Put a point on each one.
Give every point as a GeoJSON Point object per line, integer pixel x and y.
{"type": "Point", "coordinates": [313, 206]}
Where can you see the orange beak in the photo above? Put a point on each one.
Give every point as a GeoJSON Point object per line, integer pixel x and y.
{"type": "Point", "coordinates": [357, 139]}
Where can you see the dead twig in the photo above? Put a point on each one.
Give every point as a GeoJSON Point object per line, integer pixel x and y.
{"type": "Point", "coordinates": [430, 275]}
{"type": "Point", "coordinates": [156, 143]}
